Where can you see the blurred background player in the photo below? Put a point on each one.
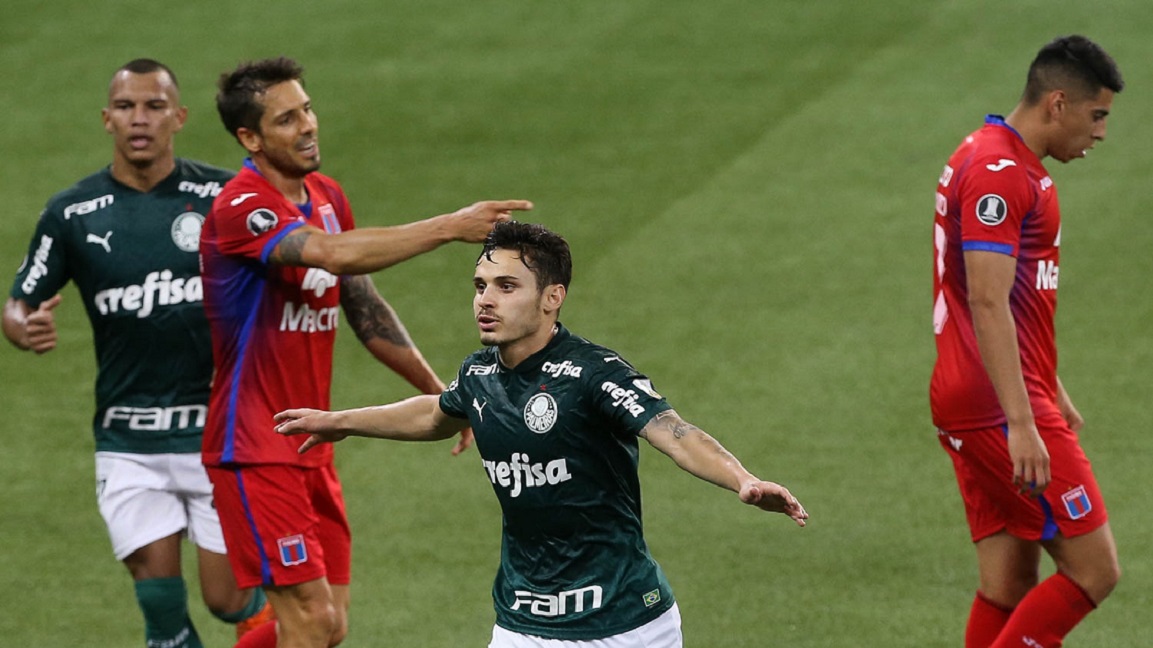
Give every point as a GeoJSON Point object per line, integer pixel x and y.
{"type": "Point", "coordinates": [1003, 415]}
{"type": "Point", "coordinates": [556, 419]}
{"type": "Point", "coordinates": [281, 258]}
{"type": "Point", "coordinates": [127, 236]}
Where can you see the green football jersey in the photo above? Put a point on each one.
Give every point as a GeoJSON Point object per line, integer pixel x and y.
{"type": "Point", "coordinates": [135, 259]}
{"type": "Point", "coordinates": [558, 440]}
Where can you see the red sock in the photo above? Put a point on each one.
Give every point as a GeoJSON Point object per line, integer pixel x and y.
{"type": "Point", "coordinates": [262, 636]}
{"type": "Point", "coordinates": [986, 619]}
{"type": "Point", "coordinates": [1046, 614]}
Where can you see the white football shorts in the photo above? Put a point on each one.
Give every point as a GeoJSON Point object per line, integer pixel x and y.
{"type": "Point", "coordinates": [146, 497]}
{"type": "Point", "coordinates": [662, 632]}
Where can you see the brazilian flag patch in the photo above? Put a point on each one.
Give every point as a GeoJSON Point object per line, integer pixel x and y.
{"type": "Point", "coordinates": [652, 598]}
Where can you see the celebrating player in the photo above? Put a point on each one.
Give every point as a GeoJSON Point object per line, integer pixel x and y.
{"type": "Point", "coordinates": [556, 420]}
{"type": "Point", "coordinates": [1003, 415]}
{"type": "Point", "coordinates": [280, 259]}
{"type": "Point", "coordinates": [128, 236]}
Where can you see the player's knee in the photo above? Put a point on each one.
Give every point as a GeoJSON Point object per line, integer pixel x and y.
{"type": "Point", "coordinates": [236, 605]}
{"type": "Point", "coordinates": [339, 626]}
{"type": "Point", "coordinates": [322, 621]}
{"type": "Point", "coordinates": [1097, 580]}
{"type": "Point", "coordinates": [1108, 578]}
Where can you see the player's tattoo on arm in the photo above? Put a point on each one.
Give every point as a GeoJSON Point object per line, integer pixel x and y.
{"type": "Point", "coordinates": [290, 250]}
{"type": "Point", "coordinates": [680, 428]}
{"type": "Point", "coordinates": [368, 314]}
{"type": "Point", "coordinates": [677, 425]}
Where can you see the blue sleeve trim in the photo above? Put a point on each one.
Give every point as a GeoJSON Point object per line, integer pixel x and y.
{"type": "Point", "coordinates": [274, 241]}
{"type": "Point", "coordinates": [986, 246]}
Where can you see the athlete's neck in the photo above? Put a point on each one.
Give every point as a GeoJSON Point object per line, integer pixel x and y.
{"type": "Point", "coordinates": [141, 178]}
{"type": "Point", "coordinates": [514, 353]}
{"type": "Point", "coordinates": [1029, 126]}
{"type": "Point", "coordinates": [291, 187]}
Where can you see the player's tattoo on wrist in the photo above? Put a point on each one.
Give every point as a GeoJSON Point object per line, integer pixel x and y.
{"type": "Point", "coordinates": [290, 250]}
{"type": "Point", "coordinates": [368, 314]}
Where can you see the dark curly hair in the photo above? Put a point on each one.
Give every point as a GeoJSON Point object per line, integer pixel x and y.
{"type": "Point", "coordinates": [239, 99]}
{"type": "Point", "coordinates": [543, 252]}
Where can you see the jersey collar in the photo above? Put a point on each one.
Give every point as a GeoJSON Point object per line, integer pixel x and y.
{"type": "Point", "coordinates": [535, 360]}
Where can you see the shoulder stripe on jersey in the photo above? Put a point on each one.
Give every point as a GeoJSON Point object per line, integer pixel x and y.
{"type": "Point", "coordinates": [272, 243]}
{"type": "Point", "coordinates": [986, 246]}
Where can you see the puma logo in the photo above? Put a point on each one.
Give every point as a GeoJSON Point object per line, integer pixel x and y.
{"type": "Point", "coordinates": [101, 241]}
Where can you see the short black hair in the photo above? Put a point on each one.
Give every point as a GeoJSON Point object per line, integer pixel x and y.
{"type": "Point", "coordinates": [238, 100]}
{"type": "Point", "coordinates": [145, 66]}
{"type": "Point", "coordinates": [543, 252]}
{"type": "Point", "coordinates": [1072, 63]}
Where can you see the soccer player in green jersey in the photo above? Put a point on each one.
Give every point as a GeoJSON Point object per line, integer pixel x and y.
{"type": "Point", "coordinates": [128, 236]}
{"type": "Point", "coordinates": [556, 420]}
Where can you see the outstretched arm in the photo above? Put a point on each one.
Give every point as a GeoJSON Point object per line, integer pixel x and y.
{"type": "Point", "coordinates": [698, 453]}
{"type": "Point", "coordinates": [380, 330]}
{"type": "Point", "coordinates": [31, 329]}
{"type": "Point", "coordinates": [363, 250]}
{"type": "Point", "coordinates": [414, 419]}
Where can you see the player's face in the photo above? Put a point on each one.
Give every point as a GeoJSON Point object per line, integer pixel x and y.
{"type": "Point", "coordinates": [1082, 125]}
{"type": "Point", "coordinates": [288, 130]}
{"type": "Point", "coordinates": [143, 115]}
{"type": "Point", "coordinates": [508, 306]}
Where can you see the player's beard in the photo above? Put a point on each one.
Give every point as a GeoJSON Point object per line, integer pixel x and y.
{"type": "Point", "coordinates": [293, 166]}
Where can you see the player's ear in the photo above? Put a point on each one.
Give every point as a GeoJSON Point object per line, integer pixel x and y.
{"type": "Point", "coordinates": [181, 117]}
{"type": "Point", "coordinates": [1056, 102]}
{"type": "Point", "coordinates": [249, 139]}
{"type": "Point", "coordinates": [554, 296]}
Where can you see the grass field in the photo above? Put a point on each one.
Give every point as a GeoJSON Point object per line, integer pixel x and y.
{"type": "Point", "coordinates": [747, 187]}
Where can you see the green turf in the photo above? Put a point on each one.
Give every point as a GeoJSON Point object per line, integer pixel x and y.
{"type": "Point", "coordinates": [748, 190]}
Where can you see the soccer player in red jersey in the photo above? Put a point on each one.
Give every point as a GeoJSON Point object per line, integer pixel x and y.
{"type": "Point", "coordinates": [1002, 413]}
{"type": "Point", "coordinates": [280, 258]}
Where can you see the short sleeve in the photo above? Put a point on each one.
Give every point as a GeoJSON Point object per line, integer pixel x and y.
{"type": "Point", "coordinates": [995, 198]}
{"type": "Point", "coordinates": [452, 399]}
{"type": "Point", "coordinates": [251, 225]}
{"type": "Point", "coordinates": [625, 396]}
{"type": "Point", "coordinates": [45, 268]}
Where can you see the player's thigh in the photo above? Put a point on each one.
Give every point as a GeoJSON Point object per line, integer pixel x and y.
{"type": "Point", "coordinates": [133, 493]}
{"type": "Point", "coordinates": [1008, 567]}
{"type": "Point", "coordinates": [992, 502]}
{"type": "Point", "coordinates": [157, 559]}
{"type": "Point", "coordinates": [1073, 495]}
{"type": "Point", "coordinates": [327, 498]}
{"type": "Point", "coordinates": [191, 481]}
{"type": "Point", "coordinates": [218, 584]}
{"type": "Point", "coordinates": [272, 530]}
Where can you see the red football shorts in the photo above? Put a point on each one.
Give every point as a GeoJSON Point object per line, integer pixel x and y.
{"type": "Point", "coordinates": [1071, 505]}
{"type": "Point", "coordinates": [283, 525]}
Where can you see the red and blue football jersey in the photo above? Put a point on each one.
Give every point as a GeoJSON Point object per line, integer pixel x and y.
{"type": "Point", "coordinates": [273, 327]}
{"type": "Point", "coordinates": [994, 195]}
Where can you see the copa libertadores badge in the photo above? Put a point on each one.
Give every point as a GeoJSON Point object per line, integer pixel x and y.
{"type": "Point", "coordinates": [540, 413]}
{"type": "Point", "coordinates": [186, 231]}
